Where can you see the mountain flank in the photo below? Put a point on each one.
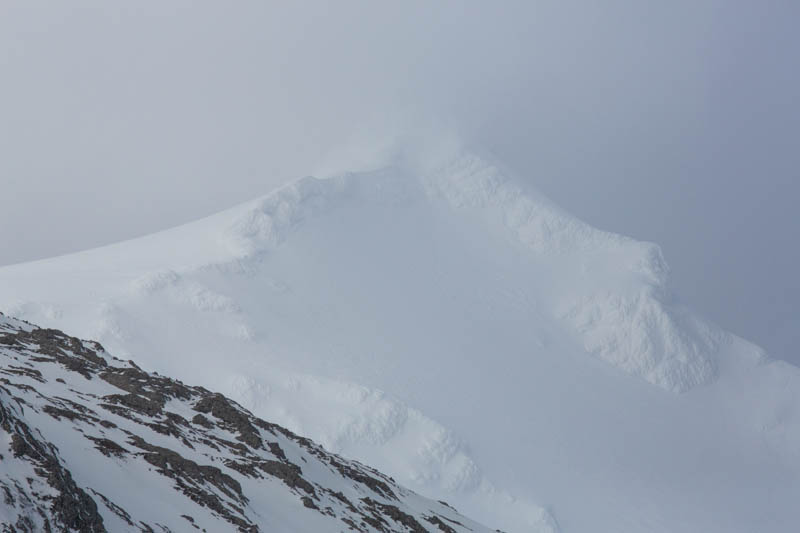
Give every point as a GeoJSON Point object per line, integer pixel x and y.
{"type": "Point", "coordinates": [91, 443]}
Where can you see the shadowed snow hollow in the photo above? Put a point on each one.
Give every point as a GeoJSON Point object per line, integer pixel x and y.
{"type": "Point", "coordinates": [461, 333]}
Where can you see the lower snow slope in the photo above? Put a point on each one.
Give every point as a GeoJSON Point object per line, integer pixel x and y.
{"type": "Point", "coordinates": [462, 334]}
{"type": "Point", "coordinates": [93, 444]}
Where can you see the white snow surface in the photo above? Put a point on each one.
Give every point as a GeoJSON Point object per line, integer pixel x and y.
{"type": "Point", "coordinates": [456, 330]}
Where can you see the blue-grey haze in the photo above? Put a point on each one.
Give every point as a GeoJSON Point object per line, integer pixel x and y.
{"type": "Point", "coordinates": [675, 122]}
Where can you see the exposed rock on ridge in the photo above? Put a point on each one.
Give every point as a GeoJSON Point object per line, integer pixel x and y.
{"type": "Point", "coordinates": [90, 443]}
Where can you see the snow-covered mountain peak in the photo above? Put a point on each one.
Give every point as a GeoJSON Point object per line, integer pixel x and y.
{"type": "Point", "coordinates": [614, 290]}
{"type": "Point", "coordinates": [434, 319]}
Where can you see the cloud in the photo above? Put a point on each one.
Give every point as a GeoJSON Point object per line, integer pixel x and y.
{"type": "Point", "coordinates": [670, 122]}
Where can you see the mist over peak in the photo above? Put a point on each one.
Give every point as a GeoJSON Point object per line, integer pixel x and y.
{"type": "Point", "coordinates": [508, 253]}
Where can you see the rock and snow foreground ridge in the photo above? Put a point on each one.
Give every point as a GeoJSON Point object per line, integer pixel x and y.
{"type": "Point", "coordinates": [445, 324]}
{"type": "Point", "coordinates": [91, 443]}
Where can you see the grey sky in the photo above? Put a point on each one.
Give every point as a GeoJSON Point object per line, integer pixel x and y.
{"type": "Point", "coordinates": [675, 122]}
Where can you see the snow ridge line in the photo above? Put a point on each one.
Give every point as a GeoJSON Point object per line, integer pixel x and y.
{"type": "Point", "coordinates": [636, 329]}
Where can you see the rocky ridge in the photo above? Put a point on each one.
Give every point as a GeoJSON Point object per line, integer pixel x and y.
{"type": "Point", "coordinates": [91, 443]}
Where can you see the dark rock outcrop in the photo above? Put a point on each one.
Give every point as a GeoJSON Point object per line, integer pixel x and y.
{"type": "Point", "coordinates": [66, 404]}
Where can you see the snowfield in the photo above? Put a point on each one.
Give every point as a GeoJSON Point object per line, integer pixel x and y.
{"type": "Point", "coordinates": [459, 332]}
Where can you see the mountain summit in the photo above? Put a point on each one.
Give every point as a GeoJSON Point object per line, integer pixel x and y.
{"type": "Point", "coordinates": [455, 329]}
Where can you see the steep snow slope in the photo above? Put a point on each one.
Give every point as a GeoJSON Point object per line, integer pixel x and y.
{"type": "Point", "coordinates": [95, 444]}
{"type": "Point", "coordinates": [461, 333]}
